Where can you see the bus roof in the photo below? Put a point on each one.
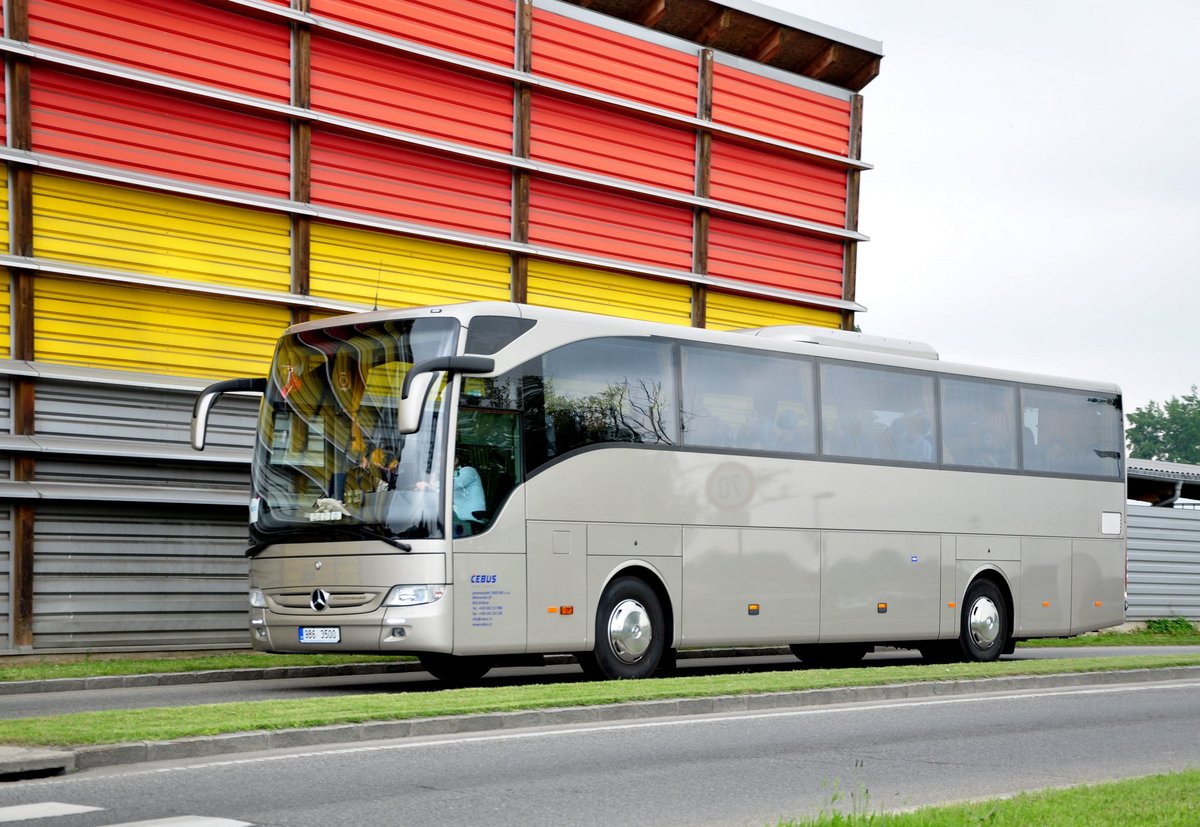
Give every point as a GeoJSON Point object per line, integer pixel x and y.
{"type": "Point", "coordinates": [801, 339]}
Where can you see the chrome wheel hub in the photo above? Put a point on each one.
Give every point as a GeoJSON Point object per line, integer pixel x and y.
{"type": "Point", "coordinates": [629, 631]}
{"type": "Point", "coordinates": [983, 621]}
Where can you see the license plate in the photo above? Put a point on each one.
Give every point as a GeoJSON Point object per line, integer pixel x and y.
{"type": "Point", "coordinates": [320, 634]}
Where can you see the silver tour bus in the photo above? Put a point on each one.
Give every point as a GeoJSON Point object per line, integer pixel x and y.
{"type": "Point", "coordinates": [484, 483]}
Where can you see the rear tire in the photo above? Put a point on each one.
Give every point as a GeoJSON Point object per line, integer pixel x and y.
{"type": "Point", "coordinates": [630, 631]}
{"type": "Point", "coordinates": [984, 630]}
{"type": "Point", "coordinates": [456, 670]}
{"type": "Point", "coordinates": [829, 655]}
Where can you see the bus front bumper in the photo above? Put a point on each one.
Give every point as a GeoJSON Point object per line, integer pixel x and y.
{"type": "Point", "coordinates": [394, 629]}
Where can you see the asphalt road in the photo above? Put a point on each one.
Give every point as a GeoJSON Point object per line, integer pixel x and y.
{"type": "Point", "coordinates": [729, 769]}
{"type": "Point", "coordinates": [57, 703]}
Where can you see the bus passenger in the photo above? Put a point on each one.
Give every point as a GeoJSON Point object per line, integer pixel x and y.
{"type": "Point", "coordinates": [469, 501]}
{"type": "Point", "coordinates": [911, 436]}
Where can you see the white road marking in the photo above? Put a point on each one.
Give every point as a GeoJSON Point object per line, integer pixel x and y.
{"type": "Point", "coordinates": [186, 821]}
{"type": "Point", "coordinates": [47, 809]}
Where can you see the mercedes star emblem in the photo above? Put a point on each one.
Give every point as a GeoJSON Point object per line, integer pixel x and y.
{"type": "Point", "coordinates": [319, 600]}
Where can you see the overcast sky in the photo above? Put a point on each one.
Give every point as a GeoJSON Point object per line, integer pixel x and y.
{"type": "Point", "coordinates": [1035, 197]}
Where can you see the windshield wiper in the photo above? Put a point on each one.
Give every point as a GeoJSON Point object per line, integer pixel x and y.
{"type": "Point", "coordinates": [360, 531]}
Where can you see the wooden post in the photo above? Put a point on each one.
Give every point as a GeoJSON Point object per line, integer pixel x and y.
{"type": "Point", "coordinates": [24, 397]}
{"type": "Point", "coordinates": [301, 239]}
{"type": "Point", "coordinates": [703, 187]}
{"type": "Point", "coordinates": [522, 127]}
{"type": "Point", "coordinates": [850, 275]}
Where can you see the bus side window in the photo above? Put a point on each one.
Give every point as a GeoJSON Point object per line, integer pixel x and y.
{"type": "Point", "coordinates": [489, 444]}
{"type": "Point", "coordinates": [1077, 433]}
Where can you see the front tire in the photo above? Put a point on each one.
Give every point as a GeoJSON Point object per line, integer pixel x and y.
{"type": "Point", "coordinates": [984, 630]}
{"type": "Point", "coordinates": [630, 631]}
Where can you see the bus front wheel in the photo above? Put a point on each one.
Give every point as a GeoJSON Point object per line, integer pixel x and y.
{"type": "Point", "coordinates": [984, 629]}
{"type": "Point", "coordinates": [629, 630]}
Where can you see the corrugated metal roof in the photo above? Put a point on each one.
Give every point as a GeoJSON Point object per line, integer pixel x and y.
{"type": "Point", "coordinates": [1155, 469]}
{"type": "Point", "coordinates": [1161, 483]}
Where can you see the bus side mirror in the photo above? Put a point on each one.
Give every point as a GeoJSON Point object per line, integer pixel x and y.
{"type": "Point", "coordinates": [209, 396]}
{"type": "Point", "coordinates": [420, 378]}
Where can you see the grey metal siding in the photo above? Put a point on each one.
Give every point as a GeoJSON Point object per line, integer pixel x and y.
{"type": "Point", "coordinates": [132, 414]}
{"type": "Point", "coordinates": [1164, 563]}
{"type": "Point", "coordinates": [136, 576]}
{"type": "Point", "coordinates": [138, 540]}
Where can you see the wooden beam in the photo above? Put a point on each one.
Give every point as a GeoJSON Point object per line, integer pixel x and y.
{"type": "Point", "coordinates": [820, 64]}
{"type": "Point", "coordinates": [769, 46]}
{"type": "Point", "coordinates": [651, 13]}
{"type": "Point", "coordinates": [863, 76]}
{"type": "Point", "coordinates": [714, 27]}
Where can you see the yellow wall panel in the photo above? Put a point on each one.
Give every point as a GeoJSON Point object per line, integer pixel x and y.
{"type": "Point", "coordinates": [725, 311]}
{"type": "Point", "coordinates": [613, 294]}
{"type": "Point", "coordinates": [145, 330]}
{"type": "Point", "coordinates": [384, 270]}
{"type": "Point", "coordinates": [5, 315]}
{"type": "Point", "coordinates": [120, 228]}
{"type": "Point", "coordinates": [3, 212]}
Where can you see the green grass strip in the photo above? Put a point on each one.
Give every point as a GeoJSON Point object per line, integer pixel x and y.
{"type": "Point", "coordinates": [35, 668]}
{"type": "Point", "coordinates": [118, 726]}
{"type": "Point", "coordinates": [49, 667]}
{"type": "Point", "coordinates": [1170, 800]}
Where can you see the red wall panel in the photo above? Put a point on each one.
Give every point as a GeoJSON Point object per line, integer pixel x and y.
{"type": "Point", "coordinates": [612, 143]}
{"type": "Point", "coordinates": [775, 257]}
{"type": "Point", "coordinates": [369, 175]}
{"type": "Point", "coordinates": [484, 29]}
{"type": "Point", "coordinates": [3, 108]}
{"type": "Point", "coordinates": [609, 224]}
{"type": "Point", "coordinates": [615, 64]}
{"type": "Point", "coordinates": [188, 40]}
{"type": "Point", "coordinates": [779, 110]}
{"type": "Point", "coordinates": [771, 180]}
{"type": "Point", "coordinates": [389, 89]}
{"type": "Point", "coordinates": [90, 120]}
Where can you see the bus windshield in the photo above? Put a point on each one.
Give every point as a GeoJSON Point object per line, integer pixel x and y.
{"type": "Point", "coordinates": [329, 462]}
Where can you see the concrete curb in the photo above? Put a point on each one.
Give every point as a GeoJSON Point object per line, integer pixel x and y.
{"type": "Point", "coordinates": [18, 762]}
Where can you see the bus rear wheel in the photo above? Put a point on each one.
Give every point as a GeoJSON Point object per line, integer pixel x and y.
{"type": "Point", "coordinates": [458, 670]}
{"type": "Point", "coordinates": [984, 630]}
{"type": "Point", "coordinates": [629, 631]}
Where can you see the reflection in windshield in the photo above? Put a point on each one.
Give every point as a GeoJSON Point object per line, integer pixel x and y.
{"type": "Point", "coordinates": [328, 458]}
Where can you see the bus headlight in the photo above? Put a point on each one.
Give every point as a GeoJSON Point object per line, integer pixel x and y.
{"type": "Point", "coordinates": [258, 600]}
{"type": "Point", "coordinates": [414, 595]}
